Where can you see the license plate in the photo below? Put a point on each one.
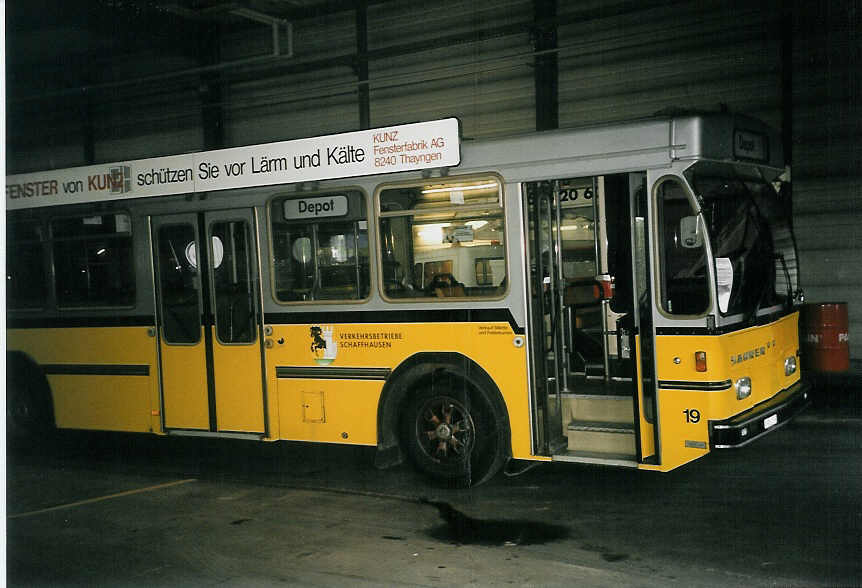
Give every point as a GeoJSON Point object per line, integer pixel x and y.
{"type": "Point", "coordinates": [770, 421]}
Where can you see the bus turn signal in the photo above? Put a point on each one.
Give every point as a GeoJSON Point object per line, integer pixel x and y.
{"type": "Point", "coordinates": [700, 361]}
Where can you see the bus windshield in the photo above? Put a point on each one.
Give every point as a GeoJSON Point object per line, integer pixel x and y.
{"type": "Point", "coordinates": [748, 227]}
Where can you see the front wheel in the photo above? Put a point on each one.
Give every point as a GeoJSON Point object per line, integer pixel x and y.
{"type": "Point", "coordinates": [454, 434]}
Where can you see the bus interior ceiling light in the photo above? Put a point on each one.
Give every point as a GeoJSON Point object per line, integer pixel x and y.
{"type": "Point", "coordinates": [459, 188]}
{"type": "Point", "coordinates": [432, 233]}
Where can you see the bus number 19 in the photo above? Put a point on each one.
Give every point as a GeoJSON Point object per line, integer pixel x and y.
{"type": "Point", "coordinates": [692, 415]}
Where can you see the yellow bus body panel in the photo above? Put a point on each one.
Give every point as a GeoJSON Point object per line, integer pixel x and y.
{"type": "Point", "coordinates": [184, 380]}
{"type": "Point", "coordinates": [345, 411]}
{"type": "Point", "coordinates": [331, 411]}
{"type": "Point", "coordinates": [238, 387]}
{"type": "Point", "coordinates": [490, 345]}
{"type": "Point", "coordinates": [104, 402]}
{"type": "Point", "coordinates": [756, 352]}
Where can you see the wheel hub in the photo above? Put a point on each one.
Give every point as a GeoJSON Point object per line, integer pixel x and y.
{"type": "Point", "coordinates": [444, 432]}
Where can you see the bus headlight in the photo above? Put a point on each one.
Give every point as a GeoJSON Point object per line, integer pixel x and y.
{"type": "Point", "coordinates": [790, 366]}
{"type": "Point", "coordinates": [743, 388]}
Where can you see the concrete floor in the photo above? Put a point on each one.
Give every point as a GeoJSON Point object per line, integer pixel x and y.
{"type": "Point", "coordinates": [101, 509]}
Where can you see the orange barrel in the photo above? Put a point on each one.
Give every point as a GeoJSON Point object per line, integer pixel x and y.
{"type": "Point", "coordinates": [825, 337]}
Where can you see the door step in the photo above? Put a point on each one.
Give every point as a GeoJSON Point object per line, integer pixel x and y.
{"type": "Point", "coordinates": [594, 370]}
{"type": "Point", "coordinates": [595, 407]}
{"type": "Point", "coordinates": [604, 437]}
{"type": "Point", "coordinates": [598, 458]}
{"type": "Point", "coordinates": [601, 427]}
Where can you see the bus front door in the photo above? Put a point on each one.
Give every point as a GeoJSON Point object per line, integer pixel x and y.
{"type": "Point", "coordinates": [590, 328]}
{"type": "Point", "coordinates": [548, 367]}
{"type": "Point", "coordinates": [210, 344]}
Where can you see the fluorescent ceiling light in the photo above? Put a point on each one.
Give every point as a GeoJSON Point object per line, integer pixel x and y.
{"type": "Point", "coordinates": [460, 188]}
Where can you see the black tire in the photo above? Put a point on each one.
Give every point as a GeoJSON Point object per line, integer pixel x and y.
{"type": "Point", "coordinates": [29, 415]}
{"type": "Point", "coordinates": [453, 433]}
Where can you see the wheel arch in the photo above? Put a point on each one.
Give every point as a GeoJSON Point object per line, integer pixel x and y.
{"type": "Point", "coordinates": [411, 373]}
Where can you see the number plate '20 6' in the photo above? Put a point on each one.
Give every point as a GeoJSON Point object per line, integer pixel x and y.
{"type": "Point", "coordinates": [770, 421]}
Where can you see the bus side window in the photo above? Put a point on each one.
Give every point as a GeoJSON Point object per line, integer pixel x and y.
{"type": "Point", "coordinates": [322, 257]}
{"type": "Point", "coordinates": [26, 276]}
{"type": "Point", "coordinates": [93, 260]}
{"type": "Point", "coordinates": [684, 277]}
{"type": "Point", "coordinates": [443, 240]}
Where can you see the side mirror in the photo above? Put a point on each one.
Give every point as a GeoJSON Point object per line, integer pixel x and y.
{"type": "Point", "coordinates": [690, 235]}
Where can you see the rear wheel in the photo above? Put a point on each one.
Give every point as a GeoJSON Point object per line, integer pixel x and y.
{"type": "Point", "coordinates": [453, 433]}
{"type": "Point", "coordinates": [26, 418]}
{"type": "Point", "coordinates": [29, 414]}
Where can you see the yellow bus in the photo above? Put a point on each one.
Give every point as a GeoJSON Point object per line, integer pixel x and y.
{"type": "Point", "coordinates": [623, 295]}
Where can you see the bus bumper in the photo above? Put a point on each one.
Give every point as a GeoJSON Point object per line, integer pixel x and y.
{"type": "Point", "coordinates": [763, 418]}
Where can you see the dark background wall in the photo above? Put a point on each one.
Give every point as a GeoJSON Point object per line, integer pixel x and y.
{"type": "Point", "coordinates": [138, 78]}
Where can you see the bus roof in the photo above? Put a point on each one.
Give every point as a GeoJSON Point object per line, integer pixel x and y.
{"type": "Point", "coordinates": [629, 146]}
